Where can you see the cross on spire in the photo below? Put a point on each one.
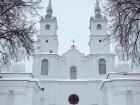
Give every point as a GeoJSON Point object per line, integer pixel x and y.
{"type": "Point", "coordinates": [73, 43]}
{"type": "Point", "coordinates": [50, 4]}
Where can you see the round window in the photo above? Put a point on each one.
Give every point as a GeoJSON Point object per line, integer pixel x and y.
{"type": "Point", "coordinates": [73, 99]}
{"type": "Point", "coordinates": [100, 40]}
{"type": "Point", "coordinates": [46, 41]}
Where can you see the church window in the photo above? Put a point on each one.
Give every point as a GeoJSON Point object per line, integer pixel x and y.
{"type": "Point", "coordinates": [73, 72]}
{"type": "Point", "coordinates": [73, 99]}
{"type": "Point", "coordinates": [51, 51]}
{"type": "Point", "coordinates": [11, 97]}
{"type": "Point", "coordinates": [47, 41]}
{"type": "Point", "coordinates": [102, 66]}
{"type": "Point", "coordinates": [44, 67]}
{"type": "Point", "coordinates": [47, 27]}
{"type": "Point", "coordinates": [100, 40]}
{"type": "Point", "coordinates": [99, 27]}
{"type": "Point", "coordinates": [42, 101]}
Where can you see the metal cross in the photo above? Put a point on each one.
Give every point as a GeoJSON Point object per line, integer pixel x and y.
{"type": "Point", "coordinates": [73, 41]}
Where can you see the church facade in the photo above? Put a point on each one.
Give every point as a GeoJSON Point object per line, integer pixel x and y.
{"type": "Point", "coordinates": [72, 78]}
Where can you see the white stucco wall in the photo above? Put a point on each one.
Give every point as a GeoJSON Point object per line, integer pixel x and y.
{"type": "Point", "coordinates": [18, 89]}
{"type": "Point", "coordinates": [60, 90]}
{"type": "Point", "coordinates": [53, 26]}
{"type": "Point", "coordinates": [93, 26]}
{"type": "Point", "coordinates": [50, 45]}
{"type": "Point", "coordinates": [124, 90]}
{"type": "Point", "coordinates": [96, 46]}
{"type": "Point", "coordinates": [17, 92]}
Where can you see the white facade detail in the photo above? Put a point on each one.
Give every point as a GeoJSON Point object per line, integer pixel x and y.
{"type": "Point", "coordinates": [94, 79]}
{"type": "Point", "coordinates": [121, 89]}
{"type": "Point", "coordinates": [18, 89]}
{"type": "Point", "coordinates": [99, 42]}
{"type": "Point", "coordinates": [48, 39]}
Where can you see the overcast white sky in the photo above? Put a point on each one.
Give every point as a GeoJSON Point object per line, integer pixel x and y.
{"type": "Point", "coordinates": [73, 22]}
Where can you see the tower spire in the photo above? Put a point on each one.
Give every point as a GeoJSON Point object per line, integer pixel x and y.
{"type": "Point", "coordinates": [49, 10]}
{"type": "Point", "coordinates": [97, 9]}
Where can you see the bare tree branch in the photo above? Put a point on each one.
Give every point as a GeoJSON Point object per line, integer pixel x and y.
{"type": "Point", "coordinates": [126, 26]}
{"type": "Point", "coordinates": [15, 28]}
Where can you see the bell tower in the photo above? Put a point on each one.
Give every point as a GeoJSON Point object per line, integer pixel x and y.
{"type": "Point", "coordinates": [98, 42]}
{"type": "Point", "coordinates": [48, 39]}
{"type": "Point", "coordinates": [46, 55]}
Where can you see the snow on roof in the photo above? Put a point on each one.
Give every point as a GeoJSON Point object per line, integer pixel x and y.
{"type": "Point", "coordinates": [119, 79]}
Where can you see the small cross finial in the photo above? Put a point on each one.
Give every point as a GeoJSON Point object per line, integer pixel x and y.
{"type": "Point", "coordinates": [73, 42]}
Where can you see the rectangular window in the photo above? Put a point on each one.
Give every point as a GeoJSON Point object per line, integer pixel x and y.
{"type": "Point", "coordinates": [73, 73]}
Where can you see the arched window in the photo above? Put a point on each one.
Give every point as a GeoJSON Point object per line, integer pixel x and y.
{"type": "Point", "coordinates": [47, 27]}
{"type": "Point", "coordinates": [99, 27]}
{"type": "Point", "coordinates": [102, 66]}
{"type": "Point", "coordinates": [44, 67]}
{"type": "Point", "coordinates": [73, 72]}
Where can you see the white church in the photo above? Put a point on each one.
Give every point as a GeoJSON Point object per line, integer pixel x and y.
{"type": "Point", "coordinates": [72, 78]}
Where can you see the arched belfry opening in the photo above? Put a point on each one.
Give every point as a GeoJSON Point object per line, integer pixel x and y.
{"type": "Point", "coordinates": [47, 27]}
{"type": "Point", "coordinates": [99, 26]}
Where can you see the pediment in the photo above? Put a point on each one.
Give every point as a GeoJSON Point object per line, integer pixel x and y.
{"type": "Point", "coordinates": [73, 52]}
